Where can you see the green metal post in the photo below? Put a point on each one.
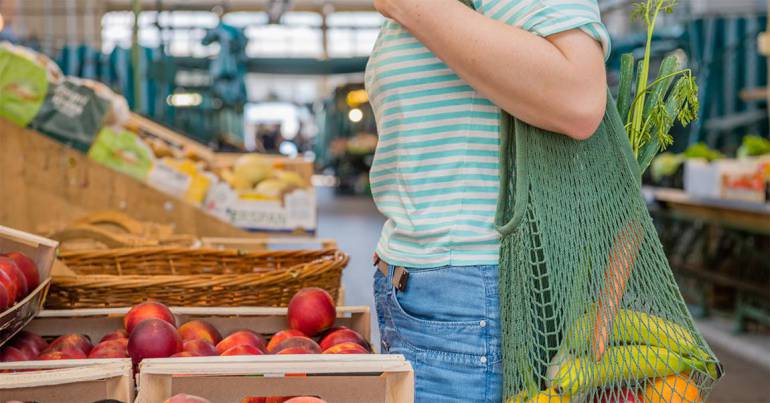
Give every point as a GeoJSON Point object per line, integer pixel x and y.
{"type": "Point", "coordinates": [135, 56]}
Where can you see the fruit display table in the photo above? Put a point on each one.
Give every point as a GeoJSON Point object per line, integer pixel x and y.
{"type": "Point", "coordinates": [719, 249]}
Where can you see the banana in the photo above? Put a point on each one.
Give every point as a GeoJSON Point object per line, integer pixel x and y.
{"type": "Point", "coordinates": [571, 375]}
{"type": "Point", "coordinates": [633, 327]}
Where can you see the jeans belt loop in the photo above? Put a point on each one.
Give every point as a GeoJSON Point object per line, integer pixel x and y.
{"type": "Point", "coordinates": [400, 274]}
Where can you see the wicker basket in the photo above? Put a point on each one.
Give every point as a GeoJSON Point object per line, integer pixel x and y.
{"type": "Point", "coordinates": [192, 277]}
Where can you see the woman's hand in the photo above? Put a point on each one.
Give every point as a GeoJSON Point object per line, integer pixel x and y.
{"type": "Point", "coordinates": [556, 83]}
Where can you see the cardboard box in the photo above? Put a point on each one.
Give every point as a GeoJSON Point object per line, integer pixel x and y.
{"type": "Point", "coordinates": [730, 179]}
{"type": "Point", "coordinates": [42, 251]}
{"type": "Point", "coordinates": [96, 323]}
{"type": "Point", "coordinates": [336, 379]}
{"type": "Point", "coordinates": [67, 381]}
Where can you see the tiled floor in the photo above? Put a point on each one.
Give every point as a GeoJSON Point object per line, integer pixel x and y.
{"type": "Point", "coordinates": [355, 223]}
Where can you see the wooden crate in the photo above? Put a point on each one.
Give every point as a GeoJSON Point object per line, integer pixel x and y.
{"type": "Point", "coordinates": [96, 323]}
{"type": "Point", "coordinates": [50, 185]}
{"type": "Point", "coordinates": [67, 381]}
{"type": "Point", "coordinates": [336, 379]}
{"type": "Point", "coordinates": [42, 251]}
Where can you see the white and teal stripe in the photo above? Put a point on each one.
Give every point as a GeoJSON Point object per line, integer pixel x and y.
{"type": "Point", "coordinates": [435, 173]}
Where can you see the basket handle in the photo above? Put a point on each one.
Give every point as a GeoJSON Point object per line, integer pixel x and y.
{"type": "Point", "coordinates": [108, 238]}
{"type": "Point", "coordinates": [264, 243]}
{"type": "Point", "coordinates": [115, 218]}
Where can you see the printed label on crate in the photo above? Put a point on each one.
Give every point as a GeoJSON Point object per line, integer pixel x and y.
{"type": "Point", "coordinates": [297, 211]}
{"type": "Point", "coordinates": [169, 180]}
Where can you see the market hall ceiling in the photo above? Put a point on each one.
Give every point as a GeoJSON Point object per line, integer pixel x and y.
{"type": "Point", "coordinates": [243, 5]}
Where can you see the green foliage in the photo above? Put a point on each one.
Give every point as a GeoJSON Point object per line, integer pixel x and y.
{"type": "Point", "coordinates": [702, 151]}
{"type": "Point", "coordinates": [651, 111]}
{"type": "Point", "coordinates": [753, 146]}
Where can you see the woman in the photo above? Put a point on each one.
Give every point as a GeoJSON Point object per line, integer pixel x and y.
{"type": "Point", "coordinates": [437, 77]}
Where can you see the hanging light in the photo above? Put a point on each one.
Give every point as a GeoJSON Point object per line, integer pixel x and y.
{"type": "Point", "coordinates": [355, 115]}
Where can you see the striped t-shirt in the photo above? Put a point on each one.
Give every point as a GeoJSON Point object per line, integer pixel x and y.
{"type": "Point", "coordinates": [435, 172]}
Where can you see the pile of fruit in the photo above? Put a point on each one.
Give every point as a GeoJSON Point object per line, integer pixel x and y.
{"type": "Point", "coordinates": [655, 361]}
{"type": "Point", "coordinates": [185, 398]}
{"type": "Point", "coordinates": [150, 332]}
{"type": "Point", "coordinates": [18, 277]}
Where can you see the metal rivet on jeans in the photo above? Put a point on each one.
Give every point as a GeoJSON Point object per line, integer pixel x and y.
{"type": "Point", "coordinates": [483, 323]}
{"type": "Point", "coordinates": [483, 359]}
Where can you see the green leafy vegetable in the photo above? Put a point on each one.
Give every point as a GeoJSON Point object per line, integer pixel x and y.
{"type": "Point", "coordinates": [753, 146]}
{"type": "Point", "coordinates": [702, 151]}
{"type": "Point", "coordinates": [652, 109]}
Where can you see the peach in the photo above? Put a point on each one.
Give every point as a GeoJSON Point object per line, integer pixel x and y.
{"type": "Point", "coordinates": [311, 311]}
{"type": "Point", "coordinates": [200, 348]}
{"type": "Point", "coordinates": [292, 351]}
{"type": "Point", "coordinates": [342, 336]}
{"type": "Point", "coordinates": [281, 336]}
{"type": "Point", "coordinates": [184, 354]}
{"type": "Point", "coordinates": [66, 353]}
{"type": "Point", "coordinates": [243, 349]}
{"type": "Point", "coordinates": [30, 343]}
{"type": "Point", "coordinates": [117, 348]}
{"type": "Point", "coordinates": [198, 329]}
{"type": "Point", "coordinates": [11, 277]}
{"type": "Point", "coordinates": [9, 354]}
{"type": "Point", "coordinates": [147, 310]}
{"type": "Point", "coordinates": [28, 268]}
{"type": "Point", "coordinates": [346, 348]}
{"type": "Point", "coordinates": [303, 343]}
{"type": "Point", "coordinates": [153, 338]}
{"type": "Point", "coordinates": [76, 341]}
{"type": "Point", "coordinates": [116, 335]}
{"type": "Point", "coordinates": [239, 337]}
{"type": "Point", "coordinates": [185, 398]}
{"type": "Point", "coordinates": [305, 399]}
{"type": "Point", "coordinates": [672, 389]}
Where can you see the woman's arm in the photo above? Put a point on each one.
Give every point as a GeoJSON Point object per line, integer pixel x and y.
{"type": "Point", "coordinates": [556, 83]}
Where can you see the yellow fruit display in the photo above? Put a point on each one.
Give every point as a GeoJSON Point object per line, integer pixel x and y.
{"type": "Point", "coordinates": [250, 169]}
{"type": "Point", "coordinates": [546, 396]}
{"type": "Point", "coordinates": [672, 389]}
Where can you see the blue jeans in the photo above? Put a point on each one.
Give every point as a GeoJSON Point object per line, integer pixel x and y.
{"type": "Point", "coordinates": [447, 324]}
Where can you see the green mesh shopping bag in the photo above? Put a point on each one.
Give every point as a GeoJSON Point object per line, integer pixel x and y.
{"type": "Point", "coordinates": [590, 309]}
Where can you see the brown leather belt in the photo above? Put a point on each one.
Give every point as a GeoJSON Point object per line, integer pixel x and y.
{"type": "Point", "coordinates": [400, 274]}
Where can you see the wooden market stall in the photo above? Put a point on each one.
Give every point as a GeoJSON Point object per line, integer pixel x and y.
{"type": "Point", "coordinates": [46, 183]}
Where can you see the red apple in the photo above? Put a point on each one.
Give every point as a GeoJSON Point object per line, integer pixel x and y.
{"type": "Point", "coordinates": [342, 336]}
{"type": "Point", "coordinates": [242, 349]}
{"type": "Point", "coordinates": [29, 342]}
{"type": "Point", "coordinates": [305, 399]}
{"type": "Point", "coordinates": [198, 329]}
{"type": "Point", "coordinates": [311, 311]}
{"type": "Point", "coordinates": [622, 395]}
{"type": "Point", "coordinates": [66, 353]}
{"type": "Point", "coordinates": [303, 343]}
{"type": "Point", "coordinates": [281, 336]}
{"type": "Point", "coordinates": [239, 337]}
{"type": "Point", "coordinates": [116, 335]}
{"type": "Point", "coordinates": [346, 348]}
{"type": "Point", "coordinates": [76, 341]}
{"type": "Point", "coordinates": [200, 348]}
{"type": "Point", "coordinates": [10, 354]}
{"type": "Point", "coordinates": [28, 268]}
{"type": "Point", "coordinates": [153, 338]}
{"type": "Point", "coordinates": [147, 310]}
{"type": "Point", "coordinates": [185, 398]}
{"type": "Point", "coordinates": [13, 279]}
{"type": "Point", "coordinates": [292, 351]}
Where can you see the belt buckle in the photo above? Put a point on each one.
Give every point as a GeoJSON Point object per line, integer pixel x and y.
{"type": "Point", "coordinates": [400, 278]}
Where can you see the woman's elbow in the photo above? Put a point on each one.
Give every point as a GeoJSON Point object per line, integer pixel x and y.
{"type": "Point", "coordinates": [585, 117]}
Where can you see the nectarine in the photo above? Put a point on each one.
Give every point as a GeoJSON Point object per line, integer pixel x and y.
{"type": "Point", "coordinates": [66, 353]}
{"type": "Point", "coordinates": [303, 343]}
{"type": "Point", "coordinates": [342, 336]}
{"type": "Point", "coordinates": [305, 399]}
{"type": "Point", "coordinates": [10, 354]}
{"type": "Point", "coordinates": [30, 343]}
{"type": "Point", "coordinates": [243, 349]}
{"type": "Point", "coordinates": [153, 338]}
{"type": "Point", "coordinates": [346, 348]}
{"type": "Point", "coordinates": [239, 337]}
{"type": "Point", "coordinates": [76, 341]}
{"type": "Point", "coordinates": [200, 348]}
{"type": "Point", "coordinates": [184, 354]}
{"type": "Point", "coordinates": [311, 311]}
{"type": "Point", "coordinates": [28, 268]}
{"type": "Point", "coordinates": [198, 329]}
{"type": "Point", "coordinates": [281, 336]}
{"type": "Point", "coordinates": [251, 399]}
{"type": "Point", "coordinates": [116, 348]}
{"type": "Point", "coordinates": [292, 351]}
{"type": "Point", "coordinates": [147, 310]}
{"type": "Point", "coordinates": [11, 278]}
{"type": "Point", "coordinates": [117, 334]}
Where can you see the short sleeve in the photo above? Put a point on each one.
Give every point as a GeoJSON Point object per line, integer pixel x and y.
{"type": "Point", "coordinates": [549, 17]}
